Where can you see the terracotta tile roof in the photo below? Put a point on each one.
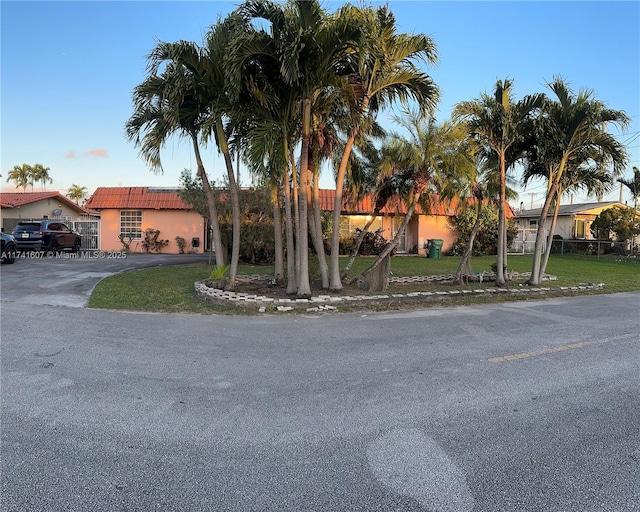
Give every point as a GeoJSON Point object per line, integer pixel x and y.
{"type": "Point", "coordinates": [393, 206]}
{"type": "Point", "coordinates": [139, 198]}
{"type": "Point", "coordinates": [17, 199]}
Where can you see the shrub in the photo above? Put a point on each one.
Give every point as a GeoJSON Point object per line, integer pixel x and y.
{"type": "Point", "coordinates": [151, 241]}
{"type": "Point", "coordinates": [182, 244]}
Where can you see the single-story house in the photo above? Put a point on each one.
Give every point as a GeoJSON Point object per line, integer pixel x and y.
{"type": "Point", "coordinates": [423, 226]}
{"type": "Point", "coordinates": [17, 206]}
{"type": "Point", "coordinates": [129, 211]}
{"type": "Point", "coordinates": [574, 220]}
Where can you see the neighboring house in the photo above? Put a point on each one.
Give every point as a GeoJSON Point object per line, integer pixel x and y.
{"type": "Point", "coordinates": [423, 226]}
{"type": "Point", "coordinates": [574, 220]}
{"type": "Point", "coordinates": [129, 211]}
{"type": "Point", "coordinates": [17, 206]}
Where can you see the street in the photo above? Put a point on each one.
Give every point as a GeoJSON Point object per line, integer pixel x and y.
{"type": "Point", "coordinates": [528, 406]}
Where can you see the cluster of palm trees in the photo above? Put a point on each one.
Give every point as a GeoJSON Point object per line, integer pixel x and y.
{"type": "Point", "coordinates": [26, 175]}
{"type": "Point", "coordinates": [291, 88]}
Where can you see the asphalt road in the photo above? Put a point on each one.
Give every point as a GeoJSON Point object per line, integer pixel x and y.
{"type": "Point", "coordinates": [529, 406]}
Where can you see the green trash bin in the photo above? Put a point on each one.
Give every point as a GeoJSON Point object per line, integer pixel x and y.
{"type": "Point", "coordinates": [435, 248]}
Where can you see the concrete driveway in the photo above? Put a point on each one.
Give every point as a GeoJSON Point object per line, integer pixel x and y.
{"type": "Point", "coordinates": [68, 281]}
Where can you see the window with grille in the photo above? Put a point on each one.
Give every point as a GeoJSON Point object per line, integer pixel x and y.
{"type": "Point", "coordinates": [131, 224]}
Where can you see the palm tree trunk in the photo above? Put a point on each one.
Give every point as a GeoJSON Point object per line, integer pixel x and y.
{"type": "Point", "coordinates": [235, 203]}
{"type": "Point", "coordinates": [277, 234]}
{"type": "Point", "coordinates": [552, 230]}
{"type": "Point", "coordinates": [211, 203]}
{"type": "Point", "coordinates": [465, 262]}
{"type": "Point", "coordinates": [534, 280]}
{"type": "Point", "coordinates": [394, 243]}
{"type": "Point", "coordinates": [296, 215]}
{"type": "Point", "coordinates": [502, 225]}
{"type": "Point", "coordinates": [334, 263]}
{"type": "Point", "coordinates": [304, 286]}
{"type": "Point", "coordinates": [318, 241]}
{"type": "Point", "coordinates": [289, 233]}
{"type": "Point", "coordinates": [356, 246]}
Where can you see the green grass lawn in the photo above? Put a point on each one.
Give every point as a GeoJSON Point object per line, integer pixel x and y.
{"type": "Point", "coordinates": [171, 289]}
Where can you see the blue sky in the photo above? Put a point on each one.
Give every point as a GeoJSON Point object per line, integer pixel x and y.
{"type": "Point", "coordinates": [68, 69]}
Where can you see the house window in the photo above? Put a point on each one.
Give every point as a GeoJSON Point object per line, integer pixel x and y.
{"type": "Point", "coordinates": [131, 224]}
{"type": "Point", "coordinates": [579, 228]}
{"type": "Point", "coordinates": [533, 223]}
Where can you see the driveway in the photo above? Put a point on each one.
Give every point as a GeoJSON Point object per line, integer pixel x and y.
{"type": "Point", "coordinates": [66, 281]}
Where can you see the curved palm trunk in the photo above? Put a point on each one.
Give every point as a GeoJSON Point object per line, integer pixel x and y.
{"type": "Point", "coordinates": [334, 262]}
{"type": "Point", "coordinates": [318, 241]}
{"type": "Point", "coordinates": [304, 286]}
{"type": "Point", "coordinates": [394, 243]}
{"type": "Point", "coordinates": [211, 203]}
{"type": "Point", "coordinates": [534, 280]}
{"type": "Point", "coordinates": [356, 246]}
{"type": "Point", "coordinates": [464, 267]}
{"type": "Point", "coordinates": [235, 203]}
{"type": "Point", "coordinates": [552, 230]}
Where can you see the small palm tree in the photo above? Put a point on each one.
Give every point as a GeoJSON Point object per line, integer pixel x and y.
{"type": "Point", "coordinates": [77, 193]}
{"type": "Point", "coordinates": [633, 185]}
{"type": "Point", "coordinates": [41, 174]}
{"type": "Point", "coordinates": [22, 176]}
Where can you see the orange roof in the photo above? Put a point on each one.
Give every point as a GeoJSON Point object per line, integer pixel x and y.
{"type": "Point", "coordinates": [394, 206]}
{"type": "Point", "coordinates": [18, 199]}
{"type": "Point", "coordinates": [140, 198]}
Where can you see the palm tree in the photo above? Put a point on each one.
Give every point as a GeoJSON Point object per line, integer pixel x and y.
{"type": "Point", "coordinates": [226, 101]}
{"type": "Point", "coordinates": [633, 185]}
{"type": "Point", "coordinates": [41, 174]}
{"type": "Point", "coordinates": [500, 124]}
{"type": "Point", "coordinates": [431, 157]}
{"type": "Point", "coordinates": [382, 71]}
{"type": "Point", "coordinates": [307, 46]}
{"type": "Point", "coordinates": [21, 175]}
{"type": "Point", "coordinates": [570, 136]}
{"type": "Point", "coordinates": [173, 102]}
{"type": "Point", "coordinates": [77, 193]}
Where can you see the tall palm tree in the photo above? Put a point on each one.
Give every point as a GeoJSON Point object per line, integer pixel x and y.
{"type": "Point", "coordinates": [21, 175]}
{"type": "Point", "coordinates": [570, 135]}
{"type": "Point", "coordinates": [77, 193]}
{"type": "Point", "coordinates": [41, 173]}
{"type": "Point", "coordinates": [170, 102]}
{"type": "Point", "coordinates": [499, 124]}
{"type": "Point", "coordinates": [307, 46]}
{"type": "Point", "coordinates": [381, 71]}
{"type": "Point", "coordinates": [226, 101]}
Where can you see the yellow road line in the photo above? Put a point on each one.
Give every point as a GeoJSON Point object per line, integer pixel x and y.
{"type": "Point", "coordinates": [561, 348]}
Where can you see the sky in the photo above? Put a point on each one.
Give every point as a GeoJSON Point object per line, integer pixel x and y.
{"type": "Point", "coordinates": [68, 70]}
